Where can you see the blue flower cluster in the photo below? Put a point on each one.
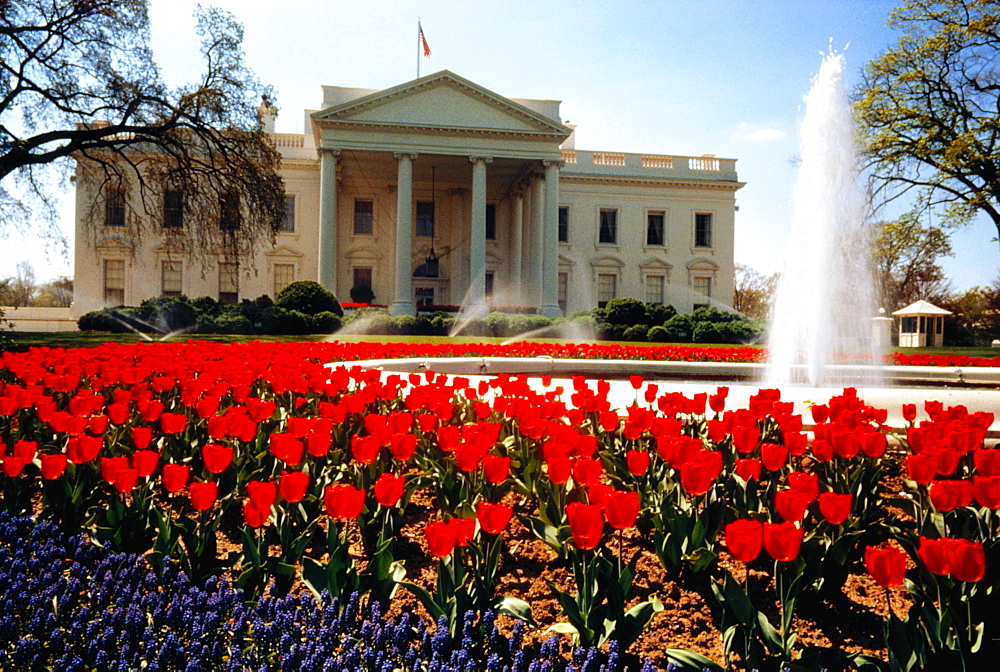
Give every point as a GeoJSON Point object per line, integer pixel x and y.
{"type": "Point", "coordinates": [68, 605]}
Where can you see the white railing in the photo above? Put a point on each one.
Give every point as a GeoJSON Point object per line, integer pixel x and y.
{"type": "Point", "coordinates": [569, 155]}
{"type": "Point", "coordinates": [703, 163]}
{"type": "Point", "coordinates": [609, 159]}
{"type": "Point", "coordinates": [289, 140]}
{"type": "Point", "coordinates": [657, 161]}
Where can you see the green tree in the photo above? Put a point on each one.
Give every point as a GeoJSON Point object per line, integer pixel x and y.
{"type": "Point", "coordinates": [19, 289]}
{"type": "Point", "coordinates": [927, 108]}
{"type": "Point", "coordinates": [976, 319]}
{"type": "Point", "coordinates": [78, 81]}
{"type": "Point", "coordinates": [906, 255]}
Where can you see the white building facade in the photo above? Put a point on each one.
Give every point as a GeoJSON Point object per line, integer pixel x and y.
{"type": "Point", "coordinates": [441, 192]}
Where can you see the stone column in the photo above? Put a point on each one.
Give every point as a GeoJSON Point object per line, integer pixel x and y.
{"type": "Point", "coordinates": [477, 235]}
{"type": "Point", "coordinates": [517, 223]}
{"type": "Point", "coordinates": [327, 271]}
{"type": "Point", "coordinates": [550, 236]}
{"type": "Point", "coordinates": [537, 238]}
{"type": "Point", "coordinates": [458, 263]}
{"type": "Point", "coordinates": [403, 303]}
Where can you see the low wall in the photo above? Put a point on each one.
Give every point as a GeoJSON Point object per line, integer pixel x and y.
{"type": "Point", "coordinates": [40, 319]}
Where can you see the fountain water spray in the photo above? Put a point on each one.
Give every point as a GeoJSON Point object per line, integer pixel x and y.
{"type": "Point", "coordinates": [821, 327]}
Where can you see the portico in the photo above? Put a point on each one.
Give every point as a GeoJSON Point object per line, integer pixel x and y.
{"type": "Point", "coordinates": [460, 161]}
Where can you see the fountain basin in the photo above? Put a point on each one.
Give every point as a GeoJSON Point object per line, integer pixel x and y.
{"type": "Point", "coordinates": [977, 388]}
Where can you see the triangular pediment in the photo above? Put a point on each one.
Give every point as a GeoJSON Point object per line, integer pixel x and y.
{"type": "Point", "coordinates": [442, 101]}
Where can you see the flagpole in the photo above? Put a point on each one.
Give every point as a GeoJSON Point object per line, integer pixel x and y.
{"type": "Point", "coordinates": [418, 47]}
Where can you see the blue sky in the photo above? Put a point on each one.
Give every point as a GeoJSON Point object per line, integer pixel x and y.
{"type": "Point", "coordinates": [691, 77]}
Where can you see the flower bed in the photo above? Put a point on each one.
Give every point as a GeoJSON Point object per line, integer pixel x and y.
{"type": "Point", "coordinates": [259, 463]}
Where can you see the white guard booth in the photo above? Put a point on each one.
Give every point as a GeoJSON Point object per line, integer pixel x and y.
{"type": "Point", "coordinates": [921, 324]}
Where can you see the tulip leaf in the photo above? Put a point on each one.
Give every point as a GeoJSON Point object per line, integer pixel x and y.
{"type": "Point", "coordinates": [432, 607]}
{"type": "Point", "coordinates": [516, 607]}
{"type": "Point", "coordinates": [690, 660]}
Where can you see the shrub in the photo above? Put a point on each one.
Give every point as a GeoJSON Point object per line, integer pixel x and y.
{"type": "Point", "coordinates": [680, 329]}
{"type": "Point", "coordinates": [707, 332]}
{"type": "Point", "coordinates": [406, 325]}
{"type": "Point", "coordinates": [636, 332]}
{"type": "Point", "coordinates": [713, 314]}
{"type": "Point", "coordinates": [362, 294]}
{"type": "Point", "coordinates": [206, 305]}
{"type": "Point", "coordinates": [233, 324]}
{"type": "Point", "coordinates": [658, 334]}
{"type": "Point", "coordinates": [499, 324]}
{"type": "Point", "coordinates": [739, 332]}
{"type": "Point", "coordinates": [309, 297]}
{"type": "Point", "coordinates": [278, 320]}
{"type": "Point", "coordinates": [324, 323]}
{"type": "Point", "coordinates": [626, 311]}
{"type": "Point", "coordinates": [657, 313]}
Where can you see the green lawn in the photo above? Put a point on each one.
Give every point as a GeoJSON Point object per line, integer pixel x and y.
{"type": "Point", "coordinates": [19, 341]}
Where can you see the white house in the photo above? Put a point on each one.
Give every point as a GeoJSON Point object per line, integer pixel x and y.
{"type": "Point", "coordinates": [439, 191]}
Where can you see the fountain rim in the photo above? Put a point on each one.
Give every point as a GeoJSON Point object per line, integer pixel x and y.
{"type": "Point", "coordinates": [739, 372]}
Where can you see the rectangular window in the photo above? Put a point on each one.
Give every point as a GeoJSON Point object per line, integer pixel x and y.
{"type": "Point", "coordinates": [424, 296]}
{"type": "Point", "coordinates": [703, 230]}
{"type": "Point", "coordinates": [563, 290]}
{"type": "Point", "coordinates": [607, 286]}
{"type": "Point", "coordinates": [491, 221]}
{"type": "Point", "coordinates": [363, 276]}
{"type": "Point", "coordinates": [425, 219]}
{"type": "Point", "coordinates": [114, 282]}
{"type": "Point", "coordinates": [364, 218]}
{"type": "Point", "coordinates": [284, 275]}
{"type": "Point", "coordinates": [114, 208]}
{"type": "Point", "coordinates": [229, 289]}
{"type": "Point", "coordinates": [488, 291]}
{"type": "Point", "coordinates": [171, 278]}
{"type": "Point", "coordinates": [702, 292]}
{"type": "Point", "coordinates": [564, 224]}
{"type": "Point", "coordinates": [654, 289]}
{"type": "Point", "coordinates": [173, 209]}
{"type": "Point", "coordinates": [229, 211]}
{"type": "Point", "coordinates": [609, 227]}
{"type": "Point", "coordinates": [654, 228]}
{"type": "Point", "coordinates": [288, 221]}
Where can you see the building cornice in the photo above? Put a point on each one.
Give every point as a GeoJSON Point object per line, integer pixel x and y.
{"type": "Point", "coordinates": [718, 185]}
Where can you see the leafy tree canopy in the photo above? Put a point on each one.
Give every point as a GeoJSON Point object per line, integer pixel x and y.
{"type": "Point", "coordinates": [928, 108]}
{"type": "Point", "coordinates": [906, 256]}
{"type": "Point", "coordinates": [78, 80]}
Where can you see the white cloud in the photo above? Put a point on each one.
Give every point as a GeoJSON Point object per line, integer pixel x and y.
{"type": "Point", "coordinates": [746, 134]}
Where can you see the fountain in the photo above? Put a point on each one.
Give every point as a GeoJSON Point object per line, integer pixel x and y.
{"type": "Point", "coordinates": [826, 300]}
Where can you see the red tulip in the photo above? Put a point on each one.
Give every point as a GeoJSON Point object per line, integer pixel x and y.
{"type": "Point", "coordinates": [493, 518]}
{"type": "Point", "coordinates": [886, 565]}
{"type": "Point", "coordinates": [921, 468]}
{"type": "Point", "coordinates": [791, 504]}
{"type": "Point", "coordinates": [145, 462]}
{"type": "Point", "coordinates": [558, 469]}
{"type": "Point", "coordinates": [388, 489]}
{"type": "Point", "coordinates": [293, 486]}
{"type": "Point", "coordinates": [262, 494]}
{"type": "Point", "coordinates": [175, 477]}
{"type": "Point", "coordinates": [968, 560]}
{"type": "Point", "coordinates": [748, 468]}
{"type": "Point", "coordinates": [496, 468]}
{"type": "Point", "coordinates": [773, 456]}
{"type": "Point", "coordinates": [909, 412]}
{"type": "Point", "coordinates": [608, 421]}
{"type": "Point", "coordinates": [698, 474]}
{"type": "Point", "coordinates": [464, 529]}
{"type": "Point", "coordinates": [97, 424]}
{"type": "Point", "coordinates": [217, 426]}
{"type": "Point", "coordinates": [110, 466]}
{"type": "Point", "coordinates": [621, 508]}
{"type": "Point", "coordinates": [403, 446]}
{"type": "Point", "coordinates": [203, 494]}
{"type": "Point", "coordinates": [286, 448]}
{"type": "Point", "coordinates": [835, 507]}
{"type": "Point", "coordinates": [13, 466]}
{"type": "Point", "coordinates": [118, 413]}
{"type": "Point", "coordinates": [343, 502]}
{"type": "Point", "coordinates": [873, 444]}
{"type": "Point", "coordinates": [587, 471]}
{"type": "Point", "coordinates": [808, 484]}
{"type": "Point", "coordinates": [125, 479]}
{"type": "Point", "coordinates": [53, 465]}
{"type": "Point", "coordinates": [469, 455]}
{"type": "Point", "coordinates": [637, 462]}
{"type": "Point", "coordinates": [987, 462]}
{"type": "Point", "coordinates": [782, 540]}
{"type": "Point", "coordinates": [83, 449]}
{"type": "Point", "coordinates": [440, 538]}
{"type": "Point", "coordinates": [745, 438]}
{"type": "Point", "coordinates": [253, 516]}
{"type": "Point", "coordinates": [217, 457]}
{"type": "Point", "coordinates": [172, 423]}
{"type": "Point", "coordinates": [364, 449]}
{"type": "Point", "coordinates": [986, 490]}
{"type": "Point", "coordinates": [586, 523]}
{"type": "Point", "coordinates": [820, 413]}
{"type": "Point", "coordinates": [26, 450]}
{"type": "Point", "coordinates": [744, 539]}
{"type": "Point", "coordinates": [949, 495]}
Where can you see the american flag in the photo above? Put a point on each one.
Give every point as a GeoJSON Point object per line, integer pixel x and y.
{"type": "Point", "coordinates": [423, 41]}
